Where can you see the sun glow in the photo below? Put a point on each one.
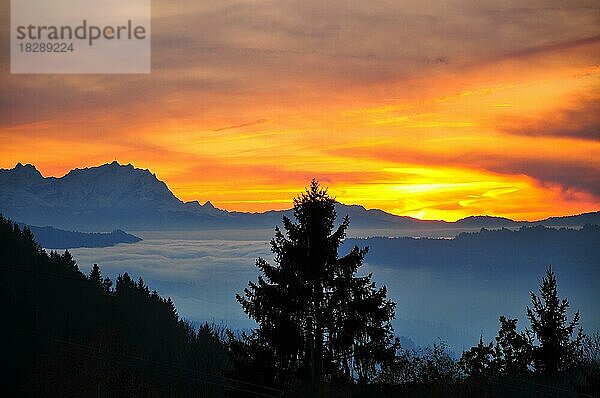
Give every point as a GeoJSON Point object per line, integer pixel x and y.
{"type": "Point", "coordinates": [508, 133]}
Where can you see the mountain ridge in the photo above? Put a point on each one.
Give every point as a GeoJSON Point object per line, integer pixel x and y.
{"type": "Point", "coordinates": [115, 196]}
{"type": "Point", "coordinates": [54, 238]}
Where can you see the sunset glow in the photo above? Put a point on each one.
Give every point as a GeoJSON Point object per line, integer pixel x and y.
{"type": "Point", "coordinates": [424, 123]}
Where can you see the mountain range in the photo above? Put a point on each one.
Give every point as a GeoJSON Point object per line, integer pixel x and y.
{"type": "Point", "coordinates": [114, 196]}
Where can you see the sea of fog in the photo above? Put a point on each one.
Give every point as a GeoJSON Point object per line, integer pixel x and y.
{"type": "Point", "coordinates": [202, 272]}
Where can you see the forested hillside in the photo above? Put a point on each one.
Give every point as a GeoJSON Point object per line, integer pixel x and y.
{"type": "Point", "coordinates": [68, 334]}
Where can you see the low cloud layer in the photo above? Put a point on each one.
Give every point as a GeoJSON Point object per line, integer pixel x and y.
{"type": "Point", "coordinates": [203, 276]}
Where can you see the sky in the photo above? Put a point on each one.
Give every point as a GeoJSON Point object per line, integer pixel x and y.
{"type": "Point", "coordinates": [431, 109]}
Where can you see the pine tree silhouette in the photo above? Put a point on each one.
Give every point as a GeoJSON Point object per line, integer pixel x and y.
{"type": "Point", "coordinates": [316, 317]}
{"type": "Point", "coordinates": [558, 349]}
{"type": "Point", "coordinates": [95, 275]}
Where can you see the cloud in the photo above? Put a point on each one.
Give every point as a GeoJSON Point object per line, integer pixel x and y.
{"type": "Point", "coordinates": [573, 176]}
{"type": "Point", "coordinates": [554, 47]}
{"type": "Point", "coordinates": [580, 119]}
{"type": "Point", "coordinates": [231, 48]}
{"type": "Point", "coordinates": [202, 274]}
{"type": "Point", "coordinates": [237, 126]}
{"type": "Point", "coordinates": [234, 48]}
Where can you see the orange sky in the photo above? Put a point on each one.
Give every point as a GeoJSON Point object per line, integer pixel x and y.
{"type": "Point", "coordinates": [437, 110]}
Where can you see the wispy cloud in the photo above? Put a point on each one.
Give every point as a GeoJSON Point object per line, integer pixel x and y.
{"type": "Point", "coordinates": [579, 119]}
{"type": "Point", "coordinates": [237, 126]}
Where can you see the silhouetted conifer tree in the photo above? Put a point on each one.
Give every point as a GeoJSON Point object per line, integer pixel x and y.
{"type": "Point", "coordinates": [315, 316]}
{"type": "Point", "coordinates": [95, 275]}
{"type": "Point", "coordinates": [68, 260]}
{"type": "Point", "coordinates": [557, 348]}
{"type": "Point", "coordinates": [516, 354]}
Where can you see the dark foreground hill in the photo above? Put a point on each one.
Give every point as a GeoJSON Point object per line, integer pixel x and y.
{"type": "Point", "coordinates": [67, 335]}
{"type": "Point", "coordinates": [114, 196]}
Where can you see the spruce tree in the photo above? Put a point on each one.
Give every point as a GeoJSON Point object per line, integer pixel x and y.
{"type": "Point", "coordinates": [557, 348]}
{"type": "Point", "coordinates": [316, 318]}
{"type": "Point", "coordinates": [95, 275]}
{"type": "Point", "coordinates": [68, 260]}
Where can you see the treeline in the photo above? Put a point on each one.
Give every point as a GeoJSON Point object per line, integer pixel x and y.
{"type": "Point", "coordinates": [494, 253]}
{"type": "Point", "coordinates": [550, 357]}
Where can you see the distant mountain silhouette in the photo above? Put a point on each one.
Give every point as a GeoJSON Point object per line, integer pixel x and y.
{"type": "Point", "coordinates": [114, 196]}
{"type": "Point", "coordinates": [487, 222]}
{"type": "Point", "coordinates": [104, 198]}
{"type": "Point", "coordinates": [572, 221]}
{"type": "Point", "coordinates": [53, 238]}
{"type": "Point", "coordinates": [495, 253]}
